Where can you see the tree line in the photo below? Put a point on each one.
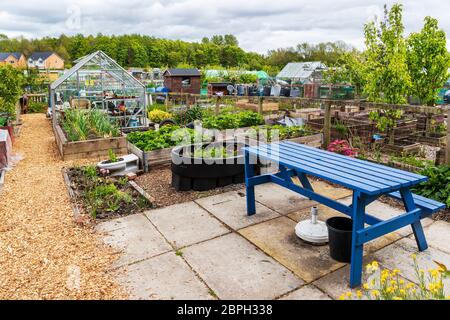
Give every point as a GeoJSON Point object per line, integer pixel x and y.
{"type": "Point", "coordinates": [216, 52]}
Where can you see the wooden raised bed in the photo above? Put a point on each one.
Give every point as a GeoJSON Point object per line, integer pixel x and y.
{"type": "Point", "coordinates": [401, 147]}
{"type": "Point", "coordinates": [430, 138]}
{"type": "Point", "coordinates": [89, 148]}
{"type": "Point", "coordinates": [354, 128]}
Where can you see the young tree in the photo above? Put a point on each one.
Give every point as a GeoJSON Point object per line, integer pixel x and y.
{"type": "Point", "coordinates": [10, 88]}
{"type": "Point", "coordinates": [386, 72]}
{"type": "Point", "coordinates": [428, 61]}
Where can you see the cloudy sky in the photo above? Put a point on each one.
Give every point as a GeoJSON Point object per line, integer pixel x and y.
{"type": "Point", "coordinates": [258, 24]}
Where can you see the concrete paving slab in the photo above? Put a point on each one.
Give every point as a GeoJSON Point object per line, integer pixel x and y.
{"type": "Point", "coordinates": [114, 224]}
{"type": "Point", "coordinates": [185, 224]}
{"type": "Point", "coordinates": [384, 211]}
{"type": "Point", "coordinates": [235, 269]}
{"type": "Point", "coordinates": [438, 235]}
{"type": "Point", "coordinates": [326, 213]}
{"type": "Point", "coordinates": [139, 240]}
{"type": "Point", "coordinates": [337, 283]}
{"type": "Point", "coordinates": [398, 255]}
{"type": "Point", "coordinates": [308, 292]}
{"type": "Point", "coordinates": [280, 199]}
{"type": "Point", "coordinates": [277, 238]}
{"type": "Point", "coordinates": [230, 208]}
{"type": "Point", "coordinates": [165, 277]}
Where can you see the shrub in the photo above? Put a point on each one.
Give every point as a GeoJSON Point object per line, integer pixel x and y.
{"type": "Point", "coordinates": [158, 115]}
{"type": "Point", "coordinates": [232, 121]}
{"type": "Point", "coordinates": [438, 185]}
{"type": "Point", "coordinates": [37, 107]}
{"type": "Point", "coordinates": [343, 147]}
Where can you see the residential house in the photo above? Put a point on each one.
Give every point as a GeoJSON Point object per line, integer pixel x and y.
{"type": "Point", "coordinates": [15, 59]}
{"type": "Point", "coordinates": [45, 60]}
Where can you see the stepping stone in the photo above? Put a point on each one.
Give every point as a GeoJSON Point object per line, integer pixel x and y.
{"type": "Point", "coordinates": [308, 292]}
{"type": "Point", "coordinates": [438, 236]}
{"type": "Point", "coordinates": [279, 199]}
{"type": "Point", "coordinates": [235, 269]}
{"type": "Point", "coordinates": [277, 238]}
{"type": "Point", "coordinates": [384, 211]}
{"type": "Point", "coordinates": [398, 255]}
{"type": "Point", "coordinates": [231, 209]}
{"type": "Point", "coordinates": [325, 213]}
{"type": "Point", "coordinates": [137, 238]}
{"type": "Point", "coordinates": [165, 277]}
{"type": "Point", "coordinates": [185, 224]}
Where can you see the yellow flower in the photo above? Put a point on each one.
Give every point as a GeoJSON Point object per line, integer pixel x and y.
{"type": "Point", "coordinates": [359, 294]}
{"type": "Point", "coordinates": [414, 256]}
{"type": "Point", "coordinates": [342, 297]}
{"type": "Point", "coordinates": [434, 273]}
{"type": "Point", "coordinates": [375, 293]}
{"type": "Point", "coordinates": [410, 286]}
{"type": "Point", "coordinates": [393, 282]}
{"type": "Point", "coordinates": [375, 265]}
{"type": "Point", "coordinates": [349, 294]}
{"type": "Point", "coordinates": [397, 298]}
{"type": "Point", "coordinates": [366, 286]}
{"type": "Point", "coordinates": [402, 292]}
{"type": "Point", "coordinates": [395, 272]}
{"type": "Point", "coordinates": [401, 281]}
{"type": "Point", "coordinates": [389, 289]}
{"type": "Point", "coordinates": [447, 297]}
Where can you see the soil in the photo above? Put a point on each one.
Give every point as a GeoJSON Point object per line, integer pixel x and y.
{"type": "Point", "coordinates": [81, 185]}
{"type": "Point", "coordinates": [157, 183]}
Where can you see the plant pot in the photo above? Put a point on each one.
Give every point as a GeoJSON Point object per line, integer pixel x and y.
{"type": "Point", "coordinates": [340, 238]}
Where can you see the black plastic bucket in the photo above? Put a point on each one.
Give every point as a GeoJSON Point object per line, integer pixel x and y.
{"type": "Point", "coordinates": [340, 238]}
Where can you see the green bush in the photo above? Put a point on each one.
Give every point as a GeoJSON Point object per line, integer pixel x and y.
{"type": "Point", "coordinates": [269, 132]}
{"type": "Point", "coordinates": [232, 121]}
{"type": "Point", "coordinates": [88, 124]}
{"type": "Point", "coordinates": [37, 107]}
{"type": "Point", "coordinates": [166, 137]}
{"type": "Point", "coordinates": [438, 185]}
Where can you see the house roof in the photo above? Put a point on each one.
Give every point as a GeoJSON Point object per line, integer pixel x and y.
{"type": "Point", "coordinates": [183, 72]}
{"type": "Point", "coordinates": [40, 55]}
{"type": "Point", "coordinates": [5, 55]}
{"type": "Point", "coordinates": [300, 70]}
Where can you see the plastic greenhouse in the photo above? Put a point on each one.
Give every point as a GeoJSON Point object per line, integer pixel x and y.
{"type": "Point", "coordinates": [99, 82]}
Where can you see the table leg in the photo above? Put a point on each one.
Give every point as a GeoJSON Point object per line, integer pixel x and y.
{"type": "Point", "coordinates": [358, 213]}
{"type": "Point", "coordinates": [249, 188]}
{"type": "Point", "coordinates": [408, 201]}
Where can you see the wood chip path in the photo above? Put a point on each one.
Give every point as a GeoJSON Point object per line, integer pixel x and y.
{"type": "Point", "coordinates": [43, 253]}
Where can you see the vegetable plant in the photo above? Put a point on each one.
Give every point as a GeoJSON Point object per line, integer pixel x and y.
{"type": "Point", "coordinates": [232, 121]}
{"type": "Point", "coordinates": [158, 115]}
{"type": "Point", "coordinates": [438, 185]}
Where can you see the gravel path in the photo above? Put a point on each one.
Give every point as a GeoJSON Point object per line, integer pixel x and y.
{"type": "Point", "coordinates": [43, 253]}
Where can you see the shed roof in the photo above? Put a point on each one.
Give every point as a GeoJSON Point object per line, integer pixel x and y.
{"type": "Point", "coordinates": [300, 70]}
{"type": "Point", "coordinates": [175, 72]}
{"type": "Point", "coordinates": [5, 55]}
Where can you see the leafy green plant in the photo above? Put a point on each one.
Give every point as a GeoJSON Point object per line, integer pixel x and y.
{"type": "Point", "coordinates": [438, 185]}
{"type": "Point", "coordinates": [412, 160]}
{"type": "Point", "coordinates": [112, 156]}
{"type": "Point", "coordinates": [166, 137]}
{"type": "Point", "coordinates": [3, 121]}
{"type": "Point", "coordinates": [386, 121]}
{"type": "Point", "coordinates": [82, 125]}
{"type": "Point", "coordinates": [107, 197]}
{"type": "Point", "coordinates": [214, 152]}
{"type": "Point", "coordinates": [190, 115]}
{"type": "Point", "coordinates": [158, 115]}
{"type": "Point", "coordinates": [37, 107]}
{"type": "Point", "coordinates": [278, 132]}
{"type": "Point", "coordinates": [232, 121]}
{"type": "Point", "coordinates": [10, 89]}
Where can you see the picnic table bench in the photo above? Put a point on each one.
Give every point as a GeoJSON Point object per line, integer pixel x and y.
{"type": "Point", "coordinates": [367, 180]}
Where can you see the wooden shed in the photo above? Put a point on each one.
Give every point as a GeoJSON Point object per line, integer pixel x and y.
{"type": "Point", "coordinates": [183, 80]}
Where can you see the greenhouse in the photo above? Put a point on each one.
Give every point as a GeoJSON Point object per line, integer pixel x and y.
{"type": "Point", "coordinates": [98, 82]}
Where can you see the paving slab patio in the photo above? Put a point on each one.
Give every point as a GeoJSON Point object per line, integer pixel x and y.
{"type": "Point", "coordinates": [308, 292]}
{"type": "Point", "coordinates": [277, 238]}
{"type": "Point", "coordinates": [235, 269]}
{"type": "Point", "coordinates": [166, 277]}
{"type": "Point", "coordinates": [186, 224]}
{"type": "Point", "coordinates": [230, 208]}
{"type": "Point", "coordinates": [137, 239]}
{"type": "Point", "coordinates": [398, 256]}
{"type": "Point", "coordinates": [211, 249]}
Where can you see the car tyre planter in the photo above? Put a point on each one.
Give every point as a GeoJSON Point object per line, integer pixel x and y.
{"type": "Point", "coordinates": [202, 174]}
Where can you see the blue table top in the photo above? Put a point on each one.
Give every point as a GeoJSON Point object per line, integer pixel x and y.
{"type": "Point", "coordinates": [364, 176]}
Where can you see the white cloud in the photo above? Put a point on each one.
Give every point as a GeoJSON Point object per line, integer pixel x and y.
{"type": "Point", "coordinates": [258, 24]}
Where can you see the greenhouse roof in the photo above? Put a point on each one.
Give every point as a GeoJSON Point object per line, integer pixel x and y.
{"type": "Point", "coordinates": [224, 73]}
{"type": "Point", "coordinates": [101, 63]}
{"type": "Point", "coordinates": [300, 70]}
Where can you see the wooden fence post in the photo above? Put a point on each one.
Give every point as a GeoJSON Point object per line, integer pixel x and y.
{"type": "Point", "coordinates": [447, 147]}
{"type": "Point", "coordinates": [327, 126]}
{"type": "Point", "coordinates": [217, 111]}
{"type": "Point", "coordinates": [260, 105]}
{"type": "Point", "coordinates": [188, 103]}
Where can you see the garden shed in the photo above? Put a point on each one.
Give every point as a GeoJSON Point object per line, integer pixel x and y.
{"type": "Point", "coordinates": [183, 80]}
{"type": "Point", "coordinates": [98, 82]}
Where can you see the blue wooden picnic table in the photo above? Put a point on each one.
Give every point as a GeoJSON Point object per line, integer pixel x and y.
{"type": "Point", "coordinates": [367, 180]}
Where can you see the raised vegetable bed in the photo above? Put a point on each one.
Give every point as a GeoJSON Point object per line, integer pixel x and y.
{"type": "Point", "coordinates": [401, 147]}
{"type": "Point", "coordinates": [344, 128]}
{"type": "Point", "coordinates": [203, 169]}
{"type": "Point", "coordinates": [95, 148]}
{"type": "Point", "coordinates": [430, 138]}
